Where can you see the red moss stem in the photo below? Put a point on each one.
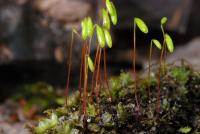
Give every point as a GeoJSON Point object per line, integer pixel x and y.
{"type": "Point", "coordinates": [69, 67]}
{"type": "Point", "coordinates": [95, 65]}
{"type": "Point", "coordinates": [134, 69]}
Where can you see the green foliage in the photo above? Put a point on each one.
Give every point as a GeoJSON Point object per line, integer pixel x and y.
{"type": "Point", "coordinates": [185, 130]}
{"type": "Point", "coordinates": [165, 104]}
{"type": "Point", "coordinates": [118, 83]}
{"type": "Point", "coordinates": [107, 119]}
{"type": "Point", "coordinates": [73, 99]}
{"type": "Point", "coordinates": [141, 24]}
{"type": "Point", "coordinates": [38, 94]}
{"type": "Point", "coordinates": [121, 112]}
{"type": "Point", "coordinates": [91, 110]}
{"type": "Point", "coordinates": [46, 124]}
{"type": "Point", "coordinates": [180, 74]}
{"type": "Point", "coordinates": [94, 127]}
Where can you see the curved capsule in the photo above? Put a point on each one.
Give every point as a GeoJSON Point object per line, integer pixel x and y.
{"type": "Point", "coordinates": [112, 11]}
{"type": "Point", "coordinates": [108, 38]}
{"type": "Point", "coordinates": [90, 64]}
{"type": "Point", "coordinates": [113, 15]}
{"type": "Point", "coordinates": [109, 7]}
{"type": "Point", "coordinates": [100, 36]}
{"type": "Point", "coordinates": [169, 43]}
{"type": "Point", "coordinates": [84, 29]}
{"type": "Point", "coordinates": [141, 24]}
{"type": "Point", "coordinates": [106, 19]}
{"type": "Point", "coordinates": [90, 27]}
{"type": "Point", "coordinates": [163, 20]}
{"type": "Point", "coordinates": [157, 43]}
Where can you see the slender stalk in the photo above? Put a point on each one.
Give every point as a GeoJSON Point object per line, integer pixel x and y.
{"type": "Point", "coordinates": [81, 68]}
{"type": "Point", "coordinates": [162, 61]}
{"type": "Point", "coordinates": [85, 81]}
{"type": "Point", "coordinates": [164, 48]}
{"type": "Point", "coordinates": [95, 64]}
{"type": "Point", "coordinates": [149, 77]}
{"type": "Point", "coordinates": [105, 74]}
{"type": "Point", "coordinates": [134, 70]}
{"type": "Point", "coordinates": [159, 79]}
{"type": "Point", "coordinates": [98, 71]}
{"type": "Point", "coordinates": [105, 69]}
{"type": "Point", "coordinates": [69, 66]}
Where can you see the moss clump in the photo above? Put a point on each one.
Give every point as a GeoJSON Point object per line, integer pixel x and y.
{"type": "Point", "coordinates": [180, 93]}
{"type": "Point", "coordinates": [39, 95]}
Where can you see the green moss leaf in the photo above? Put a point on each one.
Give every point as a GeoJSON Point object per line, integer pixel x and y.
{"type": "Point", "coordinates": [46, 124]}
{"type": "Point", "coordinates": [91, 110]}
{"type": "Point", "coordinates": [121, 112]}
{"type": "Point", "coordinates": [169, 43]}
{"type": "Point", "coordinates": [108, 38]}
{"type": "Point", "coordinates": [180, 74]}
{"type": "Point", "coordinates": [100, 36]}
{"type": "Point", "coordinates": [185, 130]}
{"type": "Point", "coordinates": [141, 24]}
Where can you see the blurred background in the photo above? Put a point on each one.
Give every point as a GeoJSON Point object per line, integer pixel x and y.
{"type": "Point", "coordinates": [34, 45]}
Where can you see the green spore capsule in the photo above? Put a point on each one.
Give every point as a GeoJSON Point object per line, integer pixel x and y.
{"type": "Point", "coordinates": [84, 27]}
{"type": "Point", "coordinates": [108, 38]}
{"type": "Point", "coordinates": [90, 27]}
{"type": "Point", "coordinates": [90, 64]}
{"type": "Point", "coordinates": [100, 36]}
{"type": "Point", "coordinates": [157, 43]}
{"type": "Point", "coordinates": [141, 24]}
{"type": "Point", "coordinates": [106, 19]}
{"type": "Point", "coordinates": [169, 43]}
{"type": "Point", "coordinates": [113, 15]}
{"type": "Point", "coordinates": [163, 20]}
{"type": "Point", "coordinates": [109, 7]}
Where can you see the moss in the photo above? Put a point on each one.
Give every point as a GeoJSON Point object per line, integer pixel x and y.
{"type": "Point", "coordinates": [180, 93]}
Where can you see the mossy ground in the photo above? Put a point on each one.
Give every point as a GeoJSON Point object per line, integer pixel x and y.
{"type": "Point", "coordinates": [179, 111]}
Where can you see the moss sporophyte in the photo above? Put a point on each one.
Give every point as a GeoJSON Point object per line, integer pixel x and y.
{"type": "Point", "coordinates": [109, 14]}
{"type": "Point", "coordinates": [88, 96]}
{"type": "Point", "coordinates": [143, 28]}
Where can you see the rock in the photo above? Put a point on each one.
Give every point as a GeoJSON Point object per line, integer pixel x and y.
{"type": "Point", "coordinates": [5, 54]}
{"type": "Point", "coordinates": [189, 52]}
{"type": "Point", "coordinates": [10, 16]}
{"type": "Point", "coordinates": [64, 11]}
{"type": "Point", "coordinates": [17, 128]}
